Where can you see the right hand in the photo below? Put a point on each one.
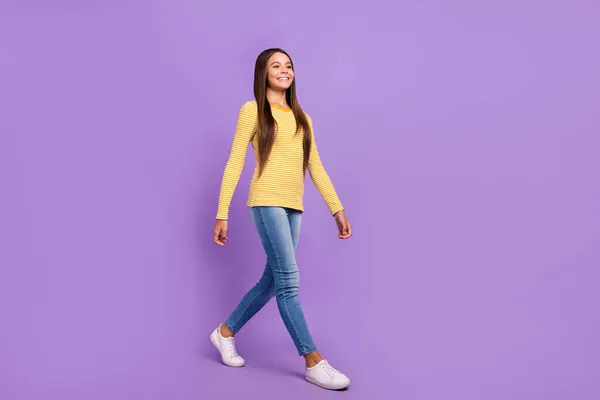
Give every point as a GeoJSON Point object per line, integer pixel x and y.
{"type": "Point", "coordinates": [220, 232]}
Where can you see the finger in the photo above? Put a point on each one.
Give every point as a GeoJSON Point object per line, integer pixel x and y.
{"type": "Point", "coordinates": [217, 238]}
{"type": "Point", "coordinates": [346, 231]}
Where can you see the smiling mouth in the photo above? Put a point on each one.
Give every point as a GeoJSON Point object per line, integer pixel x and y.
{"type": "Point", "coordinates": [283, 79]}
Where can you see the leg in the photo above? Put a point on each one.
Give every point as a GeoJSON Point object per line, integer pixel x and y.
{"type": "Point", "coordinates": [251, 303]}
{"type": "Point", "coordinates": [318, 370]}
{"type": "Point", "coordinates": [275, 230]}
{"type": "Point", "coordinates": [255, 299]}
{"type": "Point", "coordinates": [295, 220]}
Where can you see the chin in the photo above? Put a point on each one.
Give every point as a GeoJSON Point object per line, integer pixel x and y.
{"type": "Point", "coordinates": [280, 86]}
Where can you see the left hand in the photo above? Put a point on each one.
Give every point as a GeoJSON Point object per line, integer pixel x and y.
{"type": "Point", "coordinates": [344, 227]}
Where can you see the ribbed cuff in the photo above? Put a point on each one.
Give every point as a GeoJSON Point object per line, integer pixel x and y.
{"type": "Point", "coordinates": [334, 210]}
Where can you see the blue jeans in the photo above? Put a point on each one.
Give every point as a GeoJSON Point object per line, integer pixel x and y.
{"type": "Point", "coordinates": [279, 231]}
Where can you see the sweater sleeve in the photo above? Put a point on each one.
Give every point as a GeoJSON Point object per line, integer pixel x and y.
{"type": "Point", "coordinates": [319, 176]}
{"type": "Point", "coordinates": [235, 164]}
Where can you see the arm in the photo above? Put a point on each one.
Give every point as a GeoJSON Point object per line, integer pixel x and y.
{"type": "Point", "coordinates": [320, 177]}
{"type": "Point", "coordinates": [237, 156]}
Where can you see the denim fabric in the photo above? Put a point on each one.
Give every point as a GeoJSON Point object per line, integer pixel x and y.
{"type": "Point", "coordinates": [279, 231]}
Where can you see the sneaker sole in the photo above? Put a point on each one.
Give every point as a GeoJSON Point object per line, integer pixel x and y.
{"type": "Point", "coordinates": [330, 387]}
{"type": "Point", "coordinates": [215, 342]}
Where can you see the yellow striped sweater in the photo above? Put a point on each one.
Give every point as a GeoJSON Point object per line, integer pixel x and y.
{"type": "Point", "coordinates": [282, 181]}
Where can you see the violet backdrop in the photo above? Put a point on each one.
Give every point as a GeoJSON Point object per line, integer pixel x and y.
{"type": "Point", "coordinates": [462, 137]}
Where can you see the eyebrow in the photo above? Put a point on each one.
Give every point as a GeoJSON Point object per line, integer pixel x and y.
{"type": "Point", "coordinates": [277, 62]}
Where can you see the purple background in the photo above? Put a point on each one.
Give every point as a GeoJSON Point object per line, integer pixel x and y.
{"type": "Point", "coordinates": [462, 137]}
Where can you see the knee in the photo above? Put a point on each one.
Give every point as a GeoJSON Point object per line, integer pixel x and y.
{"type": "Point", "coordinates": [266, 284]}
{"type": "Point", "coordinates": [288, 285]}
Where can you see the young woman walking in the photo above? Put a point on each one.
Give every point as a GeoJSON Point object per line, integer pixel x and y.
{"type": "Point", "coordinates": [283, 141]}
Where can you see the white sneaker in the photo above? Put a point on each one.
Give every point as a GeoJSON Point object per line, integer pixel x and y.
{"type": "Point", "coordinates": [226, 347]}
{"type": "Point", "coordinates": [326, 376]}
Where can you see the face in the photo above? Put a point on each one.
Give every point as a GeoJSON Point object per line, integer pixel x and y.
{"type": "Point", "coordinates": [280, 73]}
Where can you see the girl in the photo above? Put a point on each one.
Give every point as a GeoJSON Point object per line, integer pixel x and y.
{"type": "Point", "coordinates": [283, 141]}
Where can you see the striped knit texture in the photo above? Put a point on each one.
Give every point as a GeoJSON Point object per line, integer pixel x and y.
{"type": "Point", "coordinates": [282, 181]}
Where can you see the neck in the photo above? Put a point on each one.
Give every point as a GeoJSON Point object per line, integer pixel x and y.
{"type": "Point", "coordinates": [277, 97]}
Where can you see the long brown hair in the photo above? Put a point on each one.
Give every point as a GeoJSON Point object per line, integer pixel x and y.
{"type": "Point", "coordinates": [266, 125]}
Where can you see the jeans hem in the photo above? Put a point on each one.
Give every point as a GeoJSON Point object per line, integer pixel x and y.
{"type": "Point", "coordinates": [308, 351]}
{"type": "Point", "coordinates": [230, 327]}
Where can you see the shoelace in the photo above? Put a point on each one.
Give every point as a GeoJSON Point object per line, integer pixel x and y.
{"type": "Point", "coordinates": [232, 350]}
{"type": "Point", "coordinates": [330, 370]}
